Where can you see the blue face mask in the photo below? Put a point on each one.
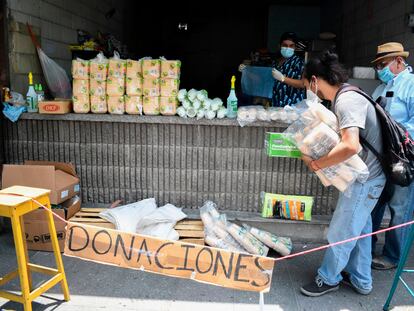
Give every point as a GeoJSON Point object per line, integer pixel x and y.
{"type": "Point", "coordinates": [287, 52]}
{"type": "Point", "coordinates": [385, 74]}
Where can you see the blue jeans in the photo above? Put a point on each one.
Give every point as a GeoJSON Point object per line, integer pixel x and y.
{"type": "Point", "coordinates": [400, 201]}
{"type": "Point", "coordinates": [352, 217]}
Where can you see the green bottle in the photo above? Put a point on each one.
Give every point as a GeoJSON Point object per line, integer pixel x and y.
{"type": "Point", "coordinates": [232, 100]}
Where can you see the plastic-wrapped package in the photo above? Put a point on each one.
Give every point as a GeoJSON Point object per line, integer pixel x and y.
{"type": "Point", "coordinates": [281, 245]}
{"type": "Point", "coordinates": [81, 103]}
{"type": "Point", "coordinates": [182, 94]}
{"type": "Point", "coordinates": [248, 114]}
{"type": "Point", "coordinates": [151, 68]}
{"type": "Point", "coordinates": [80, 87]}
{"type": "Point", "coordinates": [275, 113]}
{"type": "Point", "coordinates": [201, 114]}
{"type": "Point", "coordinates": [97, 87]}
{"type": "Point", "coordinates": [98, 104]}
{"type": "Point", "coordinates": [80, 69]}
{"type": "Point", "coordinates": [207, 104]}
{"type": "Point", "coordinates": [210, 115]}
{"type": "Point", "coordinates": [169, 87]}
{"type": "Point", "coordinates": [99, 67]}
{"type": "Point", "coordinates": [115, 86]}
{"type": "Point", "coordinates": [116, 67]}
{"type": "Point", "coordinates": [202, 95]}
{"type": "Point", "coordinates": [133, 104]}
{"type": "Point", "coordinates": [221, 113]}
{"type": "Point", "coordinates": [168, 106]}
{"type": "Point", "coordinates": [134, 86]}
{"type": "Point", "coordinates": [181, 112]}
{"type": "Point", "coordinates": [170, 69]}
{"type": "Point", "coordinates": [134, 69]}
{"type": "Point", "coordinates": [151, 87]}
{"type": "Point", "coordinates": [192, 94]}
{"type": "Point", "coordinates": [247, 240]}
{"type": "Point", "coordinates": [116, 104]}
{"type": "Point", "coordinates": [151, 105]}
{"type": "Point", "coordinates": [216, 104]}
{"type": "Point", "coordinates": [191, 112]}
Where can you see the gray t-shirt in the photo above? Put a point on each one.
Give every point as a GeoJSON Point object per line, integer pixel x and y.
{"type": "Point", "coordinates": [354, 110]}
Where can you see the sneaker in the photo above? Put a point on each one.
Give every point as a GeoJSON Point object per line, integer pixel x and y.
{"type": "Point", "coordinates": [318, 288]}
{"type": "Point", "coordinates": [382, 263]}
{"type": "Point", "coordinates": [346, 279]}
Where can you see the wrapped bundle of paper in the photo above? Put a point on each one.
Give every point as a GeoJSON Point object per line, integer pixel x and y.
{"type": "Point", "coordinates": [133, 104]}
{"type": "Point", "coordinates": [116, 104]}
{"type": "Point", "coordinates": [151, 105]}
{"type": "Point", "coordinates": [98, 104]}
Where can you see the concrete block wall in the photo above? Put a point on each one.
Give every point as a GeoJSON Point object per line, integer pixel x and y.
{"type": "Point", "coordinates": [369, 23]}
{"type": "Point", "coordinates": [56, 21]}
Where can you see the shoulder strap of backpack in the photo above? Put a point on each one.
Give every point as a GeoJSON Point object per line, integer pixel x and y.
{"type": "Point", "coordinates": [347, 88]}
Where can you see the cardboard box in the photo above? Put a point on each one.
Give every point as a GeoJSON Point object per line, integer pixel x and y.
{"type": "Point", "coordinates": [55, 106]}
{"type": "Point", "coordinates": [59, 177]}
{"type": "Point", "coordinates": [37, 230]}
{"type": "Point", "coordinates": [279, 145]}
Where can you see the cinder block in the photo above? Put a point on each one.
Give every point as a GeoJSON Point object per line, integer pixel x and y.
{"type": "Point", "coordinates": [21, 44]}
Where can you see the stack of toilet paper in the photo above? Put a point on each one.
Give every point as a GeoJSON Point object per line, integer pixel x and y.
{"type": "Point", "coordinates": [97, 82]}
{"type": "Point", "coordinates": [80, 73]}
{"type": "Point", "coordinates": [151, 71]}
{"type": "Point", "coordinates": [115, 85]}
{"type": "Point", "coordinates": [134, 85]}
{"type": "Point", "coordinates": [169, 83]}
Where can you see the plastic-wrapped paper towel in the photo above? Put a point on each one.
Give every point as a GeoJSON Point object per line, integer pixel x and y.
{"type": "Point", "coordinates": [115, 86]}
{"type": "Point", "coordinates": [80, 87]}
{"type": "Point", "coordinates": [134, 86]}
{"type": "Point", "coordinates": [99, 67]}
{"type": "Point", "coordinates": [151, 105]}
{"type": "Point", "coordinates": [80, 69]}
{"type": "Point", "coordinates": [98, 104]}
{"type": "Point", "coordinates": [97, 87]}
{"type": "Point", "coordinates": [170, 69]}
{"type": "Point", "coordinates": [151, 68]}
{"type": "Point", "coordinates": [133, 104]}
{"type": "Point", "coordinates": [168, 106]}
{"type": "Point", "coordinates": [169, 87]}
{"type": "Point", "coordinates": [81, 103]}
{"type": "Point", "coordinates": [151, 87]}
{"type": "Point", "coordinates": [116, 67]}
{"type": "Point", "coordinates": [134, 69]}
{"type": "Point", "coordinates": [116, 104]}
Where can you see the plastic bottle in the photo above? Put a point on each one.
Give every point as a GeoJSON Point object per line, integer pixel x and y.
{"type": "Point", "coordinates": [232, 100]}
{"type": "Point", "coordinates": [31, 96]}
{"type": "Point", "coordinates": [40, 93]}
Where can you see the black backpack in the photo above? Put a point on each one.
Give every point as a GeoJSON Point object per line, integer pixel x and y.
{"type": "Point", "coordinates": [397, 159]}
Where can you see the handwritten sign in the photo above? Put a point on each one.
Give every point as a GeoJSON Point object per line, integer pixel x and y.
{"type": "Point", "coordinates": [200, 263]}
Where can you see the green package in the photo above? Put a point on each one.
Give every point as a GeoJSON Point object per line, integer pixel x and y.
{"type": "Point", "coordinates": [293, 207]}
{"type": "Point", "coordinates": [280, 145]}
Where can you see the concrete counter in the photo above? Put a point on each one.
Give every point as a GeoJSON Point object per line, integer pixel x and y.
{"type": "Point", "coordinates": [175, 160]}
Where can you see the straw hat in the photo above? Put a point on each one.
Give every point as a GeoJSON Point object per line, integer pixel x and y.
{"type": "Point", "coordinates": [390, 49]}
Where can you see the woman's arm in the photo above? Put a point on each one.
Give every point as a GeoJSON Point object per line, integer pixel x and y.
{"type": "Point", "coordinates": [294, 83]}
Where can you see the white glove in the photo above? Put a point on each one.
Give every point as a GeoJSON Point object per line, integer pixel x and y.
{"type": "Point", "coordinates": [278, 75]}
{"type": "Point", "coordinates": [242, 67]}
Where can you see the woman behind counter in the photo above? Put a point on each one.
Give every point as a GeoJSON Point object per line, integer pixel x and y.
{"type": "Point", "coordinates": [287, 72]}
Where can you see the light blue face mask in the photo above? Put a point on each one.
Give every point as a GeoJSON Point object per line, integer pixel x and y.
{"type": "Point", "coordinates": [385, 74]}
{"type": "Point", "coordinates": [287, 52]}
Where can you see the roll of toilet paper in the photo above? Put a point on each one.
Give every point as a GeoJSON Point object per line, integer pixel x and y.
{"type": "Point", "coordinates": [133, 104]}
{"type": "Point", "coordinates": [116, 68]}
{"type": "Point", "coordinates": [151, 87]}
{"type": "Point", "coordinates": [168, 106]}
{"type": "Point", "coordinates": [80, 87]}
{"type": "Point", "coordinates": [169, 87]}
{"type": "Point", "coordinates": [80, 69]}
{"type": "Point", "coordinates": [98, 71]}
{"type": "Point", "coordinates": [97, 87]}
{"type": "Point", "coordinates": [170, 69]}
{"type": "Point", "coordinates": [115, 87]}
{"type": "Point", "coordinates": [98, 104]}
{"type": "Point", "coordinates": [151, 68]}
{"type": "Point", "coordinates": [134, 86]}
{"type": "Point", "coordinates": [151, 105]}
{"type": "Point", "coordinates": [116, 104]}
{"type": "Point", "coordinates": [134, 69]}
{"type": "Point", "coordinates": [81, 103]}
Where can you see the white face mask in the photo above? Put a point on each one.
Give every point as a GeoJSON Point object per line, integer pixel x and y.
{"type": "Point", "coordinates": [312, 96]}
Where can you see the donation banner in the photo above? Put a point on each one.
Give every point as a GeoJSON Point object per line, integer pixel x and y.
{"type": "Point", "coordinates": [200, 263]}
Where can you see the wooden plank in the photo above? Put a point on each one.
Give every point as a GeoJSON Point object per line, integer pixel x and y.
{"type": "Point", "coordinates": [193, 241]}
{"type": "Point", "coordinates": [190, 234]}
{"type": "Point", "coordinates": [85, 214]}
{"type": "Point", "coordinates": [92, 210]}
{"type": "Point", "coordinates": [190, 221]}
{"type": "Point", "coordinates": [189, 227]}
{"type": "Point", "coordinates": [97, 220]}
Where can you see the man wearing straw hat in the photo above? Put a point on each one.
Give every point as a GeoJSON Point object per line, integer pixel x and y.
{"type": "Point", "coordinates": [398, 91]}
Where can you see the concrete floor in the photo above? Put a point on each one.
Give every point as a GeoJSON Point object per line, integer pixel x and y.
{"type": "Point", "coordinates": [99, 287]}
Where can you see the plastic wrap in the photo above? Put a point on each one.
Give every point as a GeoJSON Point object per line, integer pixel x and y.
{"type": "Point", "coordinates": [80, 69]}
{"type": "Point", "coordinates": [168, 106]}
{"type": "Point", "coordinates": [134, 69]}
{"type": "Point", "coordinates": [151, 68]}
{"type": "Point", "coordinates": [151, 87]}
{"type": "Point", "coordinates": [248, 114]}
{"type": "Point", "coordinates": [115, 87]}
{"type": "Point", "coordinates": [169, 87]}
{"type": "Point", "coordinates": [280, 244]}
{"type": "Point", "coordinates": [98, 104]}
{"type": "Point", "coordinates": [116, 104]}
{"type": "Point", "coordinates": [99, 67]}
{"type": "Point", "coordinates": [80, 87]}
{"type": "Point", "coordinates": [247, 240]}
{"type": "Point", "coordinates": [133, 104]}
{"type": "Point", "coordinates": [116, 67]}
{"type": "Point", "coordinates": [170, 69]}
{"type": "Point", "coordinates": [81, 103]}
{"type": "Point", "coordinates": [97, 87]}
{"type": "Point", "coordinates": [134, 86]}
{"type": "Point", "coordinates": [151, 105]}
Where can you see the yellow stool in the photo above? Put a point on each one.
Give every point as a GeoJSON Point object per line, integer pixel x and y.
{"type": "Point", "coordinates": [14, 203]}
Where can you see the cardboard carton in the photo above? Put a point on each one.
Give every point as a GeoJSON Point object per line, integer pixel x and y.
{"type": "Point", "coordinates": [279, 145]}
{"type": "Point", "coordinates": [55, 106]}
{"type": "Point", "coordinates": [59, 177]}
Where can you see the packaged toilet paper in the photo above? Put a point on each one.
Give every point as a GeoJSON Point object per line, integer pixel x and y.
{"type": "Point", "coordinates": [116, 104]}
{"type": "Point", "coordinates": [81, 103]}
{"type": "Point", "coordinates": [133, 104]}
{"type": "Point", "coordinates": [169, 87]}
{"type": "Point", "coordinates": [80, 87]}
{"type": "Point", "coordinates": [116, 67]}
{"type": "Point", "coordinates": [170, 69]}
{"type": "Point", "coordinates": [80, 69]}
{"type": "Point", "coordinates": [168, 106]}
{"type": "Point", "coordinates": [134, 86]}
{"type": "Point", "coordinates": [97, 87]}
{"type": "Point", "coordinates": [98, 104]}
{"type": "Point", "coordinates": [99, 67]}
{"type": "Point", "coordinates": [134, 69]}
{"type": "Point", "coordinates": [151, 87]}
{"type": "Point", "coordinates": [151, 68]}
{"type": "Point", "coordinates": [151, 105]}
{"type": "Point", "coordinates": [115, 87]}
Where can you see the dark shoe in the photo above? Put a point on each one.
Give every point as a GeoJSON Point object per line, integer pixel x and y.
{"type": "Point", "coordinates": [317, 288]}
{"type": "Point", "coordinates": [346, 279]}
{"type": "Point", "coordinates": [382, 263]}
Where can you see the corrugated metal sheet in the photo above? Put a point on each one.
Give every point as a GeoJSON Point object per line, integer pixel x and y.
{"type": "Point", "coordinates": [183, 164]}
